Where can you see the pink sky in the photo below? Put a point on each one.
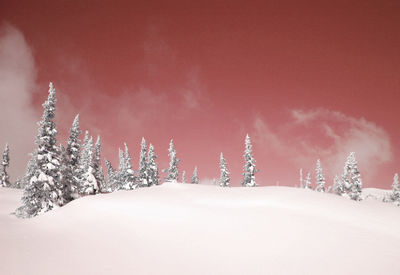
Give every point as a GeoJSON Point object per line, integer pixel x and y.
{"type": "Point", "coordinates": [305, 79]}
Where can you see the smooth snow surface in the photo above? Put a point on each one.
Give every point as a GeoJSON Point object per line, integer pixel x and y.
{"type": "Point", "coordinates": [196, 229]}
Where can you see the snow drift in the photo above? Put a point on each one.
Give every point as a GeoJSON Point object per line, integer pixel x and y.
{"type": "Point", "coordinates": [196, 229]}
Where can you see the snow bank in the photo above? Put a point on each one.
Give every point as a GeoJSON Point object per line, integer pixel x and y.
{"type": "Point", "coordinates": [195, 229]}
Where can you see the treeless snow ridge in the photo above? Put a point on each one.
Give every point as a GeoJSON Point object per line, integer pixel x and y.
{"type": "Point", "coordinates": [196, 229]}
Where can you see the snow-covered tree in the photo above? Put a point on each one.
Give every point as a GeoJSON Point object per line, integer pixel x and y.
{"type": "Point", "coordinates": [70, 162]}
{"type": "Point", "coordinates": [351, 178]}
{"type": "Point", "coordinates": [125, 177]}
{"type": "Point", "coordinates": [110, 182]}
{"type": "Point", "coordinates": [4, 178]}
{"type": "Point", "coordinates": [195, 178]}
{"type": "Point", "coordinates": [301, 178]}
{"type": "Point", "coordinates": [18, 184]}
{"type": "Point", "coordinates": [184, 177]}
{"type": "Point", "coordinates": [214, 181]}
{"type": "Point", "coordinates": [320, 179]}
{"type": "Point", "coordinates": [249, 169]}
{"type": "Point", "coordinates": [97, 168]}
{"type": "Point", "coordinates": [142, 173]}
{"type": "Point", "coordinates": [395, 195]}
{"type": "Point", "coordinates": [152, 167]}
{"type": "Point", "coordinates": [224, 179]}
{"type": "Point", "coordinates": [44, 189]}
{"type": "Point", "coordinates": [88, 184]}
{"type": "Point", "coordinates": [173, 173]}
{"type": "Point", "coordinates": [307, 182]}
{"type": "Point", "coordinates": [338, 187]}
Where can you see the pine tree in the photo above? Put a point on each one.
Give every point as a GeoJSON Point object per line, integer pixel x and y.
{"type": "Point", "coordinates": [249, 166]}
{"type": "Point", "coordinates": [307, 182]}
{"type": "Point", "coordinates": [173, 173]}
{"type": "Point", "coordinates": [97, 168]}
{"type": "Point", "coordinates": [110, 182]}
{"type": "Point", "coordinates": [152, 167]}
{"type": "Point", "coordinates": [184, 177]}
{"type": "Point", "coordinates": [143, 176]}
{"type": "Point", "coordinates": [195, 178]}
{"type": "Point", "coordinates": [352, 178]}
{"type": "Point", "coordinates": [338, 187]}
{"type": "Point", "coordinates": [395, 195]}
{"type": "Point", "coordinates": [301, 178]}
{"type": "Point", "coordinates": [320, 180]}
{"type": "Point", "coordinates": [4, 178]}
{"type": "Point", "coordinates": [224, 179]}
{"type": "Point", "coordinates": [125, 178]}
{"type": "Point", "coordinates": [88, 183]}
{"type": "Point", "coordinates": [44, 189]}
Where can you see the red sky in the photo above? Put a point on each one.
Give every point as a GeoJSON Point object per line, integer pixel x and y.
{"type": "Point", "coordinates": [306, 79]}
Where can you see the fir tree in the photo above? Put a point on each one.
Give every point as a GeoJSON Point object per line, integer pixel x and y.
{"type": "Point", "coordinates": [224, 179]}
{"type": "Point", "coordinates": [98, 169]}
{"type": "Point", "coordinates": [249, 166]}
{"type": "Point", "coordinates": [395, 195]}
{"type": "Point", "coordinates": [110, 182]}
{"type": "Point", "coordinates": [195, 178]}
{"type": "Point", "coordinates": [307, 182]}
{"type": "Point", "coordinates": [4, 178]}
{"type": "Point", "coordinates": [338, 187]}
{"type": "Point", "coordinates": [88, 183]}
{"type": "Point", "coordinates": [44, 189]}
{"type": "Point", "coordinates": [352, 178]}
{"type": "Point", "coordinates": [125, 177]}
{"type": "Point", "coordinates": [184, 177]}
{"type": "Point", "coordinates": [152, 167]}
{"type": "Point", "coordinates": [143, 176]}
{"type": "Point", "coordinates": [320, 179]}
{"type": "Point", "coordinates": [173, 173]}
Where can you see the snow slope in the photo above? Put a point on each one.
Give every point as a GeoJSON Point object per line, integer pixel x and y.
{"type": "Point", "coordinates": [197, 229]}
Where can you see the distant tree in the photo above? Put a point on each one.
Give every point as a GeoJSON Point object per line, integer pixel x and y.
{"type": "Point", "coordinates": [249, 170]}
{"type": "Point", "coordinates": [307, 182]}
{"type": "Point", "coordinates": [97, 168]}
{"type": "Point", "coordinates": [214, 181]}
{"type": "Point", "coordinates": [143, 176]}
{"type": "Point", "coordinates": [184, 177]}
{"type": "Point", "coordinates": [395, 195]}
{"type": "Point", "coordinates": [44, 189]}
{"type": "Point", "coordinates": [301, 178]}
{"type": "Point", "coordinates": [4, 178]}
{"type": "Point", "coordinates": [351, 178]}
{"type": "Point", "coordinates": [224, 179]}
{"type": "Point", "coordinates": [152, 167]}
{"type": "Point", "coordinates": [173, 173]}
{"type": "Point", "coordinates": [338, 187]}
{"type": "Point", "coordinates": [320, 179]}
{"type": "Point", "coordinates": [195, 178]}
{"type": "Point", "coordinates": [125, 177]}
{"type": "Point", "coordinates": [88, 183]}
{"type": "Point", "coordinates": [110, 182]}
{"type": "Point", "coordinates": [18, 184]}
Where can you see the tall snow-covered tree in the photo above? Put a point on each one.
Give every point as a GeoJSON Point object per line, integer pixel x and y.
{"type": "Point", "coordinates": [249, 169]}
{"type": "Point", "coordinates": [4, 178]}
{"type": "Point", "coordinates": [301, 178]}
{"type": "Point", "coordinates": [224, 179]}
{"type": "Point", "coordinates": [307, 182]}
{"type": "Point", "coordinates": [70, 162]}
{"type": "Point", "coordinates": [152, 167]}
{"type": "Point", "coordinates": [110, 182]}
{"type": "Point", "coordinates": [351, 178]}
{"type": "Point", "coordinates": [173, 173]}
{"type": "Point", "coordinates": [88, 183]}
{"type": "Point", "coordinates": [184, 176]}
{"type": "Point", "coordinates": [395, 195]}
{"type": "Point", "coordinates": [142, 173]}
{"type": "Point", "coordinates": [44, 189]}
{"type": "Point", "coordinates": [338, 187]}
{"type": "Point", "coordinates": [97, 168]}
{"type": "Point", "coordinates": [195, 177]}
{"type": "Point", "coordinates": [320, 179]}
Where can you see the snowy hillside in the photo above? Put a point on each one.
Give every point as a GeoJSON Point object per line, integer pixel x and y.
{"type": "Point", "coordinates": [197, 229]}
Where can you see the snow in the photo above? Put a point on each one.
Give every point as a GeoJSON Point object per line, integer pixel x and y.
{"type": "Point", "coordinates": [179, 228]}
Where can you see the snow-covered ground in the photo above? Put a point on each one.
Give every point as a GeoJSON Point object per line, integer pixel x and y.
{"type": "Point", "coordinates": [197, 229]}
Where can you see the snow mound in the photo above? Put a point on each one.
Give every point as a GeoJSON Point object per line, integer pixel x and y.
{"type": "Point", "coordinates": [194, 229]}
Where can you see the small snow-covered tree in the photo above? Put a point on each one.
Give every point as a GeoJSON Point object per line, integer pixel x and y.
{"type": "Point", "coordinates": [125, 177]}
{"type": "Point", "coordinates": [320, 179]}
{"type": "Point", "coordinates": [195, 178]}
{"type": "Point", "coordinates": [301, 178]}
{"type": "Point", "coordinates": [184, 177]}
{"type": "Point", "coordinates": [110, 182]}
{"type": "Point", "coordinates": [4, 178]}
{"type": "Point", "coordinates": [44, 189]}
{"type": "Point", "coordinates": [351, 178]}
{"type": "Point", "coordinates": [152, 167]}
{"type": "Point", "coordinates": [142, 173]}
{"type": "Point", "coordinates": [88, 183]}
{"type": "Point", "coordinates": [224, 179]}
{"type": "Point", "coordinates": [97, 168]}
{"type": "Point", "coordinates": [18, 184]}
{"type": "Point", "coordinates": [338, 187]}
{"type": "Point", "coordinates": [173, 173]}
{"type": "Point", "coordinates": [307, 182]}
{"type": "Point", "coordinates": [395, 195]}
{"type": "Point", "coordinates": [249, 169]}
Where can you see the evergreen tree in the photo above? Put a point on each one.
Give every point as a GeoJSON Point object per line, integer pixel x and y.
{"type": "Point", "coordinates": [110, 182]}
{"type": "Point", "coordinates": [98, 169]}
{"type": "Point", "coordinates": [352, 178]}
{"type": "Point", "coordinates": [88, 183]}
{"type": "Point", "coordinates": [195, 178]}
{"type": "Point", "coordinates": [184, 177]}
{"type": "Point", "coordinates": [18, 184]}
{"type": "Point", "coordinates": [338, 187]}
{"type": "Point", "coordinates": [224, 179]}
{"type": "Point", "coordinates": [125, 177]}
{"type": "Point", "coordinates": [152, 167]}
{"type": "Point", "coordinates": [307, 182]}
{"type": "Point", "coordinates": [320, 180]}
{"type": "Point", "coordinates": [301, 178]}
{"type": "Point", "coordinates": [44, 189]}
{"type": "Point", "coordinates": [143, 176]}
{"type": "Point", "coordinates": [395, 195]}
{"type": "Point", "coordinates": [249, 166]}
{"type": "Point", "coordinates": [4, 178]}
{"type": "Point", "coordinates": [173, 173]}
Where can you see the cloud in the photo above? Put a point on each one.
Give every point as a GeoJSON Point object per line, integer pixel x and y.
{"type": "Point", "coordinates": [328, 135]}
{"type": "Point", "coordinates": [17, 82]}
